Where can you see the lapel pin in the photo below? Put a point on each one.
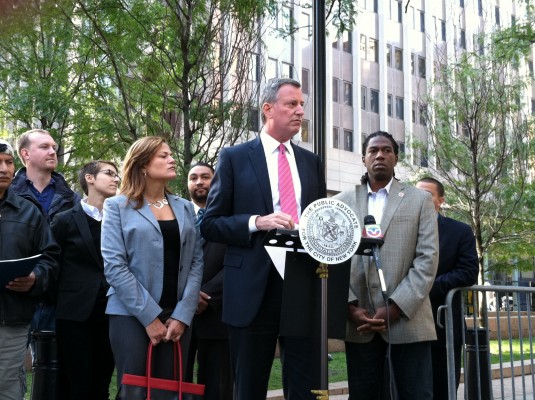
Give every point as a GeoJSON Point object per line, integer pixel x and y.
{"type": "Point", "coordinates": [401, 194]}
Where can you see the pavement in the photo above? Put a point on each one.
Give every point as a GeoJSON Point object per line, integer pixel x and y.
{"type": "Point", "coordinates": [504, 387]}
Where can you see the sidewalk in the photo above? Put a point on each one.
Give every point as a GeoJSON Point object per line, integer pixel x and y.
{"type": "Point", "coordinates": [502, 389]}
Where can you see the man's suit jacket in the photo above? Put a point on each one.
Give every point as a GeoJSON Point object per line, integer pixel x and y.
{"type": "Point", "coordinates": [208, 324]}
{"type": "Point", "coordinates": [409, 258]}
{"type": "Point", "coordinates": [240, 189]}
{"type": "Point", "coordinates": [81, 270]}
{"type": "Point", "coordinates": [132, 248]}
{"type": "Point", "coordinates": [457, 267]}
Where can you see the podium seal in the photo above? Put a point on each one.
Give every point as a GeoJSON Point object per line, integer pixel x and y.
{"type": "Point", "coordinates": [329, 231]}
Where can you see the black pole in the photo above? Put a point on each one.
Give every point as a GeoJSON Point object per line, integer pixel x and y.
{"type": "Point", "coordinates": [319, 79]}
{"type": "Point", "coordinates": [319, 149]}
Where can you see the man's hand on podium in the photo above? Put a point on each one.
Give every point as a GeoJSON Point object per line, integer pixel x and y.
{"type": "Point", "coordinates": [276, 220]}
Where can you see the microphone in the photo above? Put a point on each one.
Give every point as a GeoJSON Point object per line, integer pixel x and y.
{"type": "Point", "coordinates": [371, 235]}
{"type": "Point", "coordinates": [371, 240]}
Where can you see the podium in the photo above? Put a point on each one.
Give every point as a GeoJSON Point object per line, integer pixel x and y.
{"type": "Point", "coordinates": [314, 297]}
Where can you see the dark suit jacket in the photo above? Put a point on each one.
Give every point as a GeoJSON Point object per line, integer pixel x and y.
{"type": "Point", "coordinates": [240, 189]}
{"type": "Point", "coordinates": [457, 267]}
{"type": "Point", "coordinates": [208, 325]}
{"type": "Point", "coordinates": [81, 272]}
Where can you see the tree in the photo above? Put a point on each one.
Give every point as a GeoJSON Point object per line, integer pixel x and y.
{"type": "Point", "coordinates": [479, 140]}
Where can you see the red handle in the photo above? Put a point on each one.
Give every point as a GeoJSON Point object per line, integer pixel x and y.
{"type": "Point", "coordinates": [177, 358]}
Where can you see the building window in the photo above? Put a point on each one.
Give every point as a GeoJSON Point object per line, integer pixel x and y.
{"type": "Point", "coordinates": [254, 72]}
{"type": "Point", "coordinates": [335, 90]}
{"type": "Point", "coordinates": [336, 144]}
{"type": "Point", "coordinates": [413, 72]}
{"type": "Point", "coordinates": [424, 161]}
{"type": "Point", "coordinates": [335, 43]}
{"type": "Point", "coordinates": [346, 41]}
{"type": "Point", "coordinates": [462, 42]}
{"type": "Point", "coordinates": [443, 30]}
{"type": "Point", "coordinates": [271, 69]}
{"type": "Point", "coordinates": [421, 67]}
{"type": "Point", "coordinates": [373, 50]}
{"type": "Point", "coordinates": [423, 114]}
{"type": "Point", "coordinates": [305, 27]}
{"type": "Point", "coordinates": [388, 57]}
{"type": "Point", "coordinates": [413, 111]}
{"type": "Point", "coordinates": [478, 43]}
{"type": "Point", "coordinates": [305, 129]}
{"type": "Point", "coordinates": [348, 94]}
{"type": "Point", "coordinates": [497, 12]}
{"type": "Point", "coordinates": [363, 47]}
{"type": "Point", "coordinates": [374, 101]}
{"type": "Point", "coordinates": [422, 21]}
{"type": "Point", "coordinates": [253, 120]}
{"type": "Point", "coordinates": [348, 140]}
{"type": "Point", "coordinates": [376, 6]}
{"type": "Point", "coordinates": [389, 105]}
{"type": "Point", "coordinates": [513, 20]}
{"type": "Point", "coordinates": [530, 67]}
{"type": "Point", "coordinates": [480, 7]}
{"type": "Point", "coordinates": [400, 11]}
{"type": "Point", "coordinates": [401, 149]}
{"type": "Point", "coordinates": [398, 59]}
{"type": "Point", "coordinates": [461, 3]}
{"type": "Point", "coordinates": [305, 81]}
{"type": "Point", "coordinates": [287, 70]}
{"type": "Point", "coordinates": [532, 106]}
{"type": "Point", "coordinates": [363, 98]}
{"type": "Point", "coordinates": [399, 108]}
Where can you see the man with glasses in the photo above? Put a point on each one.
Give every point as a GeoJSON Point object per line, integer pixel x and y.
{"type": "Point", "coordinates": [81, 322]}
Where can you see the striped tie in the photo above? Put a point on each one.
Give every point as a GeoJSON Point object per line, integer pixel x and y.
{"type": "Point", "coordinates": [286, 186]}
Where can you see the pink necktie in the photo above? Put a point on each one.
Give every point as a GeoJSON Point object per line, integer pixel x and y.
{"type": "Point", "coordinates": [286, 186]}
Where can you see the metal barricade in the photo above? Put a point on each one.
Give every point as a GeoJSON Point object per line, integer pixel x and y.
{"type": "Point", "coordinates": [497, 357]}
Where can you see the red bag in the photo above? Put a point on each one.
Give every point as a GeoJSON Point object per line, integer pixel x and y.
{"type": "Point", "coordinates": [136, 387]}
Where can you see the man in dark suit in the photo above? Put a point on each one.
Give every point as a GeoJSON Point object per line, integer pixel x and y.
{"type": "Point", "coordinates": [457, 267]}
{"type": "Point", "coordinates": [81, 322]}
{"type": "Point", "coordinates": [244, 203]}
{"type": "Point", "coordinates": [209, 339]}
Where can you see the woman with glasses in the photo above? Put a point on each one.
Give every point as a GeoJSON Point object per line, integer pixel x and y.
{"type": "Point", "coordinates": [152, 261]}
{"type": "Point", "coordinates": [81, 323]}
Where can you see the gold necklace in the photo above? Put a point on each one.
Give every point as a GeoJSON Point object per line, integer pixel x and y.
{"type": "Point", "coordinates": [159, 204]}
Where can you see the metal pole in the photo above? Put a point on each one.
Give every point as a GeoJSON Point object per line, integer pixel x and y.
{"type": "Point", "coordinates": [319, 79]}
{"type": "Point", "coordinates": [319, 148]}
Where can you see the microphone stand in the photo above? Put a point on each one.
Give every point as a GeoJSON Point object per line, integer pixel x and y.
{"type": "Point", "coordinates": [392, 381]}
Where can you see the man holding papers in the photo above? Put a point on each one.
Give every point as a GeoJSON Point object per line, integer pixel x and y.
{"type": "Point", "coordinates": [24, 232]}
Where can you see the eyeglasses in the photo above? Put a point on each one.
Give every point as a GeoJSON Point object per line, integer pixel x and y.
{"type": "Point", "coordinates": [111, 173]}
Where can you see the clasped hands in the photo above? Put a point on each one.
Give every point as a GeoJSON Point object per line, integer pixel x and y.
{"type": "Point", "coordinates": [171, 330]}
{"type": "Point", "coordinates": [376, 323]}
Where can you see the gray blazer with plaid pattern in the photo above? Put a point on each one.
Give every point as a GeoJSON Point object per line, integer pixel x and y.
{"type": "Point", "coordinates": [409, 258]}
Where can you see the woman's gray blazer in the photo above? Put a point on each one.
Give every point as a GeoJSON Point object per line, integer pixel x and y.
{"type": "Point", "coordinates": [132, 248]}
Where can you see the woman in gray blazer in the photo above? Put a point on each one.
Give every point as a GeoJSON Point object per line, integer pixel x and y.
{"type": "Point", "coordinates": [152, 261]}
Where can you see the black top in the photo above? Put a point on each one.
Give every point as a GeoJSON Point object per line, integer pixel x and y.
{"type": "Point", "coordinates": [171, 260]}
{"type": "Point", "coordinates": [99, 308]}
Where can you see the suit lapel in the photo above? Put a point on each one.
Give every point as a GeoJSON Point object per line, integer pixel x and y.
{"type": "Point", "coordinates": [303, 171]}
{"type": "Point", "coordinates": [178, 210]}
{"type": "Point", "coordinates": [147, 213]}
{"type": "Point", "coordinates": [80, 220]}
{"type": "Point", "coordinates": [257, 158]}
{"type": "Point", "coordinates": [395, 197]}
{"type": "Point", "coordinates": [361, 194]}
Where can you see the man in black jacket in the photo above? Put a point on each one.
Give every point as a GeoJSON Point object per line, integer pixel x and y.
{"type": "Point", "coordinates": [209, 341]}
{"type": "Point", "coordinates": [24, 232]}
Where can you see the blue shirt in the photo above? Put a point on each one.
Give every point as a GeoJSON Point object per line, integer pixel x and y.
{"type": "Point", "coordinates": [45, 197]}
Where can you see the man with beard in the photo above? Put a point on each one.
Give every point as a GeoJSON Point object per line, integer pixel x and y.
{"type": "Point", "coordinates": [398, 323]}
{"type": "Point", "coordinates": [209, 340]}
